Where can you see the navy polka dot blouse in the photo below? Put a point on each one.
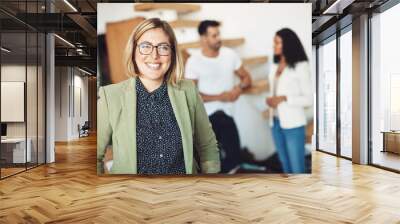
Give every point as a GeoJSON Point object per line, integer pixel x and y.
{"type": "Point", "coordinates": [159, 141]}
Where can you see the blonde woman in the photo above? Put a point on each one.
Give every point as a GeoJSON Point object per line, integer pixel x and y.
{"type": "Point", "coordinates": [155, 120]}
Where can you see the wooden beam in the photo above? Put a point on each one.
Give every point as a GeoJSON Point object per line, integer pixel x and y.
{"type": "Point", "coordinates": [226, 42]}
{"type": "Point", "coordinates": [179, 8]}
{"type": "Point", "coordinates": [84, 24]}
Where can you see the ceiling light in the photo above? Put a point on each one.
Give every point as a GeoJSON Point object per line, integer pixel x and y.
{"type": "Point", "coordinates": [70, 5]}
{"type": "Point", "coordinates": [5, 50]}
{"type": "Point", "coordinates": [64, 40]}
{"type": "Point", "coordinates": [337, 7]}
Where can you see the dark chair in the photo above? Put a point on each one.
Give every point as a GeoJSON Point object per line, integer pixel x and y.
{"type": "Point", "coordinates": [84, 130]}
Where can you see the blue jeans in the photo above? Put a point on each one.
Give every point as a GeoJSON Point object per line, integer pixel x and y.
{"type": "Point", "coordinates": [290, 147]}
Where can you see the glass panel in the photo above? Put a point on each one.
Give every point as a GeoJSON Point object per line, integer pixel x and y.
{"type": "Point", "coordinates": [346, 94]}
{"type": "Point", "coordinates": [23, 89]}
{"type": "Point", "coordinates": [13, 87]}
{"type": "Point", "coordinates": [394, 102]}
{"type": "Point", "coordinates": [386, 89]}
{"type": "Point", "coordinates": [327, 97]}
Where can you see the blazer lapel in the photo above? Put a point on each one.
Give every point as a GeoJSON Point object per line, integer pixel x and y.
{"type": "Point", "coordinates": [129, 113]}
{"type": "Point", "coordinates": [181, 111]}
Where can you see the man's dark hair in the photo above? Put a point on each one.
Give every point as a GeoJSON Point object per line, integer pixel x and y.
{"type": "Point", "coordinates": [203, 26]}
{"type": "Point", "coordinates": [292, 48]}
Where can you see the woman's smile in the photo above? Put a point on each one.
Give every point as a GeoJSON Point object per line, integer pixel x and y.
{"type": "Point", "coordinates": [153, 66]}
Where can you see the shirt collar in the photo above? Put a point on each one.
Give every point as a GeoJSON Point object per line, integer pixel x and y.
{"type": "Point", "coordinates": [157, 94]}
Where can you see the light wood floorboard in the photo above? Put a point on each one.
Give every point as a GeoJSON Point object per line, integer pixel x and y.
{"type": "Point", "coordinates": [69, 191]}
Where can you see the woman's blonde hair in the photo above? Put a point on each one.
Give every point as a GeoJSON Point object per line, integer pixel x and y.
{"type": "Point", "coordinates": [175, 71]}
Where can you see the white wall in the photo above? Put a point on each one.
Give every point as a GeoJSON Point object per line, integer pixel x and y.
{"type": "Point", "coordinates": [106, 12]}
{"type": "Point", "coordinates": [81, 83]}
{"type": "Point", "coordinates": [257, 23]}
{"type": "Point", "coordinates": [14, 72]}
{"type": "Point", "coordinates": [68, 79]}
{"type": "Point", "coordinates": [61, 103]}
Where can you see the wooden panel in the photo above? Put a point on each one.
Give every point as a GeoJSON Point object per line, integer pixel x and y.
{"type": "Point", "coordinates": [184, 23]}
{"type": "Point", "coordinates": [180, 8]}
{"type": "Point", "coordinates": [117, 35]}
{"type": "Point", "coordinates": [251, 61]}
{"type": "Point", "coordinates": [234, 42]}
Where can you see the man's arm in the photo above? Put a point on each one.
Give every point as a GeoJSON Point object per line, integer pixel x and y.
{"type": "Point", "coordinates": [245, 78]}
{"type": "Point", "coordinates": [225, 96]}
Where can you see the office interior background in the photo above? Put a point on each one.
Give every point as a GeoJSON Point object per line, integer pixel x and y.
{"type": "Point", "coordinates": [48, 100]}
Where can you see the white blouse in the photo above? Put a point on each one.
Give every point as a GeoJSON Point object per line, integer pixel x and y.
{"type": "Point", "coordinates": [294, 83]}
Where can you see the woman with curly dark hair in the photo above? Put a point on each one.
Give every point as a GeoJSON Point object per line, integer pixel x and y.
{"type": "Point", "coordinates": [292, 92]}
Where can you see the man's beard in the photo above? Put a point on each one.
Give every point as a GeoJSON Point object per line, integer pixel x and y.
{"type": "Point", "coordinates": [216, 46]}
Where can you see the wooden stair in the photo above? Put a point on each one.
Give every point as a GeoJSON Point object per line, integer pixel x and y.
{"type": "Point", "coordinates": [251, 61]}
{"type": "Point", "coordinates": [234, 42]}
{"type": "Point", "coordinates": [179, 8]}
{"type": "Point", "coordinates": [258, 86]}
{"type": "Point", "coordinates": [183, 23]}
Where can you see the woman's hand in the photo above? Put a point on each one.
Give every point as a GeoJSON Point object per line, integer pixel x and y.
{"type": "Point", "coordinates": [108, 157]}
{"type": "Point", "coordinates": [275, 101]}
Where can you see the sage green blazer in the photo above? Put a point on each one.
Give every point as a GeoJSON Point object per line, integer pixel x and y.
{"type": "Point", "coordinates": [116, 126]}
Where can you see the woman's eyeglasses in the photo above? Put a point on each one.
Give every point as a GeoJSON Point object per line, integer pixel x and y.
{"type": "Point", "coordinates": [147, 49]}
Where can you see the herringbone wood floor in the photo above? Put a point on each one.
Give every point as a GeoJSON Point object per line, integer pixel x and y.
{"type": "Point", "coordinates": [70, 192]}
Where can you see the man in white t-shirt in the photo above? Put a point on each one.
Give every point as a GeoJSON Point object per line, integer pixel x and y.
{"type": "Point", "coordinates": [214, 70]}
